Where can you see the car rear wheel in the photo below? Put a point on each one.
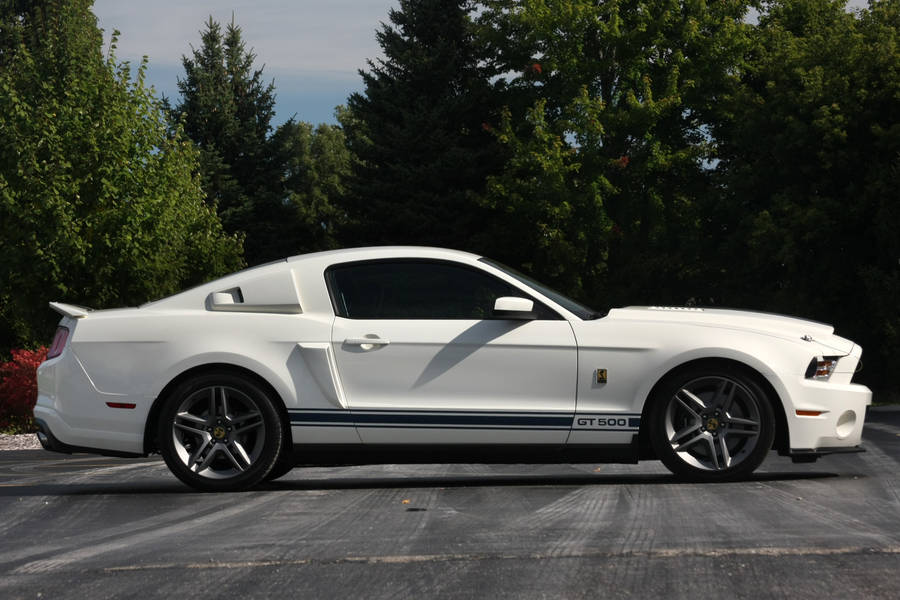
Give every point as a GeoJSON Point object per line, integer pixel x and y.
{"type": "Point", "coordinates": [220, 433]}
{"type": "Point", "coordinates": [711, 424]}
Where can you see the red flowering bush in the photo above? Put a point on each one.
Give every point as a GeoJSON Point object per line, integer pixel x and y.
{"type": "Point", "coordinates": [18, 390]}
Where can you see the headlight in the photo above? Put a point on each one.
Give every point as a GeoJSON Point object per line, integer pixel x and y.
{"type": "Point", "coordinates": [821, 367]}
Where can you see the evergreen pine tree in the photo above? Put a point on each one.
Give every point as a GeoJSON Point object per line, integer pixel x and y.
{"type": "Point", "coordinates": [226, 109]}
{"type": "Point", "coordinates": [419, 132]}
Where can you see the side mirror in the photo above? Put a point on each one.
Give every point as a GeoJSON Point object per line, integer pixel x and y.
{"type": "Point", "coordinates": [510, 307]}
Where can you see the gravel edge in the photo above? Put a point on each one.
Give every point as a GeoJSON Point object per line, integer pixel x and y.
{"type": "Point", "coordinates": [25, 441]}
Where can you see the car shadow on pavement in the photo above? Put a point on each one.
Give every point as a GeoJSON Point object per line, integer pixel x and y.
{"type": "Point", "coordinates": [158, 486]}
{"type": "Point", "coordinates": [457, 481]}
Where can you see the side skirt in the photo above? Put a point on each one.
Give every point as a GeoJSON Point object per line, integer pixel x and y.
{"type": "Point", "coordinates": [322, 455]}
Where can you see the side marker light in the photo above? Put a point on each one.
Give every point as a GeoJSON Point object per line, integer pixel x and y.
{"type": "Point", "coordinates": [121, 404]}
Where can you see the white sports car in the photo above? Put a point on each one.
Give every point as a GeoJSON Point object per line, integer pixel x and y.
{"type": "Point", "coordinates": [402, 355]}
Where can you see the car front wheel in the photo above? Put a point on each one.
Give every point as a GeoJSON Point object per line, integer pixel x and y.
{"type": "Point", "coordinates": [711, 424]}
{"type": "Point", "coordinates": [220, 432]}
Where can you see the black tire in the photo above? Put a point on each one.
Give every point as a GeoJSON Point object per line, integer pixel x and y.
{"type": "Point", "coordinates": [280, 469]}
{"type": "Point", "coordinates": [220, 432]}
{"type": "Point", "coordinates": [285, 462]}
{"type": "Point", "coordinates": [711, 423]}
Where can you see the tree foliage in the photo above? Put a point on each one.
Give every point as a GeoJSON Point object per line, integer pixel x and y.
{"type": "Point", "coordinates": [651, 151]}
{"type": "Point", "coordinates": [261, 183]}
{"type": "Point", "coordinates": [629, 151]}
{"type": "Point", "coordinates": [315, 164]}
{"type": "Point", "coordinates": [99, 204]}
{"type": "Point", "coordinates": [417, 133]}
{"type": "Point", "coordinates": [618, 96]}
{"type": "Point", "coordinates": [810, 162]}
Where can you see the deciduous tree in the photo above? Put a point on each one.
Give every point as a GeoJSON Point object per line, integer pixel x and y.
{"type": "Point", "coordinates": [810, 163]}
{"type": "Point", "coordinates": [619, 94]}
{"type": "Point", "coordinates": [99, 204]}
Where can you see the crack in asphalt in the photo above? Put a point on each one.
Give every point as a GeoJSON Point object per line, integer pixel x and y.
{"type": "Point", "coordinates": [476, 556]}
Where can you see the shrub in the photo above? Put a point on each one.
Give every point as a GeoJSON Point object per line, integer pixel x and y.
{"type": "Point", "coordinates": [18, 390]}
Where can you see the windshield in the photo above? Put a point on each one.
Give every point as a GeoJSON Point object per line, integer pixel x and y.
{"type": "Point", "coordinates": [576, 308]}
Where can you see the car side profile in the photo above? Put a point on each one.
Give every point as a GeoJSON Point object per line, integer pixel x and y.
{"type": "Point", "coordinates": [406, 354]}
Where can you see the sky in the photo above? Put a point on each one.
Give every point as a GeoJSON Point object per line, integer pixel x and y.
{"type": "Point", "coordinates": [313, 49]}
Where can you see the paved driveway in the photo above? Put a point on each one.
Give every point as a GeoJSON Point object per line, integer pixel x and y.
{"type": "Point", "coordinates": [92, 527]}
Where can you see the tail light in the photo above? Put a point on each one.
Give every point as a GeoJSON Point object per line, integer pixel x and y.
{"type": "Point", "coordinates": [59, 342]}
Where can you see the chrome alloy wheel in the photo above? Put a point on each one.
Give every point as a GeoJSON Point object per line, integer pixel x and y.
{"type": "Point", "coordinates": [713, 423]}
{"type": "Point", "coordinates": [218, 432]}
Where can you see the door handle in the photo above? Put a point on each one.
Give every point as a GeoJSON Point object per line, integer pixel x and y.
{"type": "Point", "coordinates": [366, 343]}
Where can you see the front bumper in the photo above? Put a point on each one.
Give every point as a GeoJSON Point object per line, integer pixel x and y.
{"type": "Point", "coordinates": [802, 455]}
{"type": "Point", "coordinates": [839, 424]}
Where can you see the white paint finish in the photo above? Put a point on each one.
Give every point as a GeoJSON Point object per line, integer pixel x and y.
{"type": "Point", "coordinates": [491, 365]}
{"type": "Point", "coordinates": [320, 364]}
{"type": "Point", "coordinates": [637, 354]}
{"type": "Point", "coordinates": [438, 435]}
{"type": "Point", "coordinates": [513, 304]}
{"type": "Point", "coordinates": [271, 292]}
{"type": "Point", "coordinates": [505, 366]}
{"type": "Point", "coordinates": [69, 310]}
{"type": "Point", "coordinates": [788, 328]}
{"type": "Point", "coordinates": [833, 399]}
{"type": "Point", "coordinates": [77, 413]}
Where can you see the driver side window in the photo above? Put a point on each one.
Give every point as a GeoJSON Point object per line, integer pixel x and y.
{"type": "Point", "coordinates": [416, 290]}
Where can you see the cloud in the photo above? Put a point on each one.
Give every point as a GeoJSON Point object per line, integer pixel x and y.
{"type": "Point", "coordinates": [308, 35]}
{"type": "Point", "coordinates": [312, 48]}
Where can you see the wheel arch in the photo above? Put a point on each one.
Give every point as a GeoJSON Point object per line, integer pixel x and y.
{"type": "Point", "coordinates": [781, 441]}
{"type": "Point", "coordinates": [196, 371]}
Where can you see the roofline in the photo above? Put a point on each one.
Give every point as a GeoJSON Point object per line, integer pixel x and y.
{"type": "Point", "coordinates": [386, 250]}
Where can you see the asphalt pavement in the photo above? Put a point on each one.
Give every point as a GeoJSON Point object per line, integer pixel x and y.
{"type": "Point", "coordinates": [84, 526]}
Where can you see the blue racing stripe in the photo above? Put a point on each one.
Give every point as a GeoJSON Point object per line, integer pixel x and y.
{"type": "Point", "coordinates": [441, 418]}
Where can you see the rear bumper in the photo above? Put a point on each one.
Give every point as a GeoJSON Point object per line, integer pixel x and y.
{"type": "Point", "coordinates": [50, 442]}
{"type": "Point", "coordinates": [80, 416]}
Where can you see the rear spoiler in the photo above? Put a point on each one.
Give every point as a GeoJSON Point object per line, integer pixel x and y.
{"type": "Point", "coordinates": [70, 310]}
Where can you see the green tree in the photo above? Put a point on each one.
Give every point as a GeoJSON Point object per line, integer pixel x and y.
{"type": "Point", "coordinates": [315, 165]}
{"type": "Point", "coordinates": [254, 176]}
{"type": "Point", "coordinates": [810, 161]}
{"type": "Point", "coordinates": [618, 94]}
{"type": "Point", "coordinates": [226, 109]}
{"type": "Point", "coordinates": [418, 131]}
{"type": "Point", "coordinates": [99, 204]}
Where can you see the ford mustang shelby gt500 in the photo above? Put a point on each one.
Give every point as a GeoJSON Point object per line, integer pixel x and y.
{"type": "Point", "coordinates": [376, 355]}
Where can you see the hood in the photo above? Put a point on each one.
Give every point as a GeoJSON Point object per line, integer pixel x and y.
{"type": "Point", "coordinates": [781, 326]}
